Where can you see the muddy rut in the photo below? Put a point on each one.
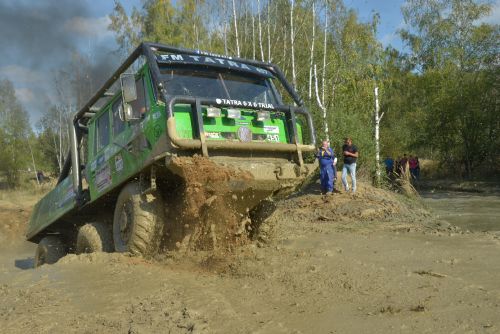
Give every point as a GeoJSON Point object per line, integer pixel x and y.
{"type": "Point", "coordinates": [370, 263]}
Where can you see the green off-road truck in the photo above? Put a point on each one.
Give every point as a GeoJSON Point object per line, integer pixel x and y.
{"type": "Point", "coordinates": [123, 179]}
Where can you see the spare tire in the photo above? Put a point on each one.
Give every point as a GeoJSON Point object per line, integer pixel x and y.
{"type": "Point", "coordinates": [94, 237]}
{"type": "Point", "coordinates": [138, 221]}
{"type": "Point", "coordinates": [49, 250]}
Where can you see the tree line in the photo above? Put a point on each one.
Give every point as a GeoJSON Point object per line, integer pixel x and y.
{"type": "Point", "coordinates": [439, 100]}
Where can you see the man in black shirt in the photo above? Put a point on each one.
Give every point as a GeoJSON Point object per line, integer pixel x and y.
{"type": "Point", "coordinates": [350, 152]}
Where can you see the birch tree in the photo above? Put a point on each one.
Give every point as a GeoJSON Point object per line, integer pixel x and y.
{"type": "Point", "coordinates": [260, 32]}
{"type": "Point", "coordinates": [253, 37]}
{"type": "Point", "coordinates": [378, 118]}
{"type": "Point", "coordinates": [311, 59]}
{"type": "Point", "coordinates": [292, 45]}
{"type": "Point", "coordinates": [236, 30]}
{"type": "Point", "coordinates": [268, 33]}
{"type": "Point", "coordinates": [321, 104]}
{"type": "Point", "coordinates": [323, 88]}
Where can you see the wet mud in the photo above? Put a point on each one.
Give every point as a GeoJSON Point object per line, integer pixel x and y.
{"type": "Point", "coordinates": [202, 214]}
{"type": "Point", "coordinates": [375, 262]}
{"type": "Point", "coordinates": [470, 211]}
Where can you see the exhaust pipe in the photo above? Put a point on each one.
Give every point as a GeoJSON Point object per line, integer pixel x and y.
{"type": "Point", "coordinates": [75, 158]}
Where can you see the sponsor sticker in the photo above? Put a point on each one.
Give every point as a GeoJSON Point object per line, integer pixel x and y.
{"type": "Point", "coordinates": [68, 196]}
{"type": "Point", "coordinates": [100, 160]}
{"type": "Point", "coordinates": [103, 178]}
{"type": "Point", "coordinates": [271, 129]}
{"type": "Point", "coordinates": [118, 163]}
{"type": "Point", "coordinates": [212, 135]}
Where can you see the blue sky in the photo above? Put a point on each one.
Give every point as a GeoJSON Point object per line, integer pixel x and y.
{"type": "Point", "coordinates": [390, 18]}
{"type": "Point", "coordinates": [39, 35]}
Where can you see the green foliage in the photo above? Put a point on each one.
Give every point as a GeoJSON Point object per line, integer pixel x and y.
{"type": "Point", "coordinates": [159, 21]}
{"type": "Point", "coordinates": [446, 98]}
{"type": "Point", "coordinates": [14, 132]}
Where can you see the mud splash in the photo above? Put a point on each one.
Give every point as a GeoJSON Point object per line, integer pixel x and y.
{"type": "Point", "coordinates": [202, 215]}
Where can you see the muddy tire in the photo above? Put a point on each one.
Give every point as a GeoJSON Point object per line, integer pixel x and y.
{"type": "Point", "coordinates": [94, 237]}
{"type": "Point", "coordinates": [138, 221]}
{"type": "Point", "coordinates": [49, 250]}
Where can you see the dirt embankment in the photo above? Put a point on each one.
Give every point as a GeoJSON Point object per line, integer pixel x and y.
{"type": "Point", "coordinates": [15, 210]}
{"type": "Point", "coordinates": [370, 263]}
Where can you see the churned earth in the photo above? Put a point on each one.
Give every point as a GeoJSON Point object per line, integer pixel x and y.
{"type": "Point", "coordinates": [375, 262]}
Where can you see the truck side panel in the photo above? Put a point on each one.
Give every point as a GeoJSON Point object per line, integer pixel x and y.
{"type": "Point", "coordinates": [57, 203]}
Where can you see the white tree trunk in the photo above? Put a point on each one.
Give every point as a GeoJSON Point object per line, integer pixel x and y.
{"type": "Point", "coordinates": [377, 135]}
{"type": "Point", "coordinates": [253, 37]}
{"type": "Point", "coordinates": [321, 104]}
{"type": "Point", "coordinates": [196, 35]}
{"type": "Point", "coordinates": [292, 41]}
{"type": "Point", "coordinates": [312, 48]}
{"type": "Point", "coordinates": [260, 32]}
{"type": "Point", "coordinates": [324, 58]}
{"type": "Point", "coordinates": [33, 161]}
{"type": "Point", "coordinates": [225, 38]}
{"type": "Point", "coordinates": [236, 30]}
{"type": "Point", "coordinates": [224, 28]}
{"type": "Point", "coordinates": [268, 33]}
{"type": "Point", "coordinates": [284, 48]}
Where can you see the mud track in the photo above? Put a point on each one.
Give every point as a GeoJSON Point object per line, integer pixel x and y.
{"type": "Point", "coordinates": [373, 263]}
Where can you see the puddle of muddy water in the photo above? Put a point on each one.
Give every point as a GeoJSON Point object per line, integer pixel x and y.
{"type": "Point", "coordinates": [470, 211]}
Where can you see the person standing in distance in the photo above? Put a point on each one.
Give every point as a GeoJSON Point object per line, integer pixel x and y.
{"type": "Point", "coordinates": [351, 154]}
{"type": "Point", "coordinates": [326, 159]}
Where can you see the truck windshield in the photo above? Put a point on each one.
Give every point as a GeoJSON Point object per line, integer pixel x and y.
{"type": "Point", "coordinates": [218, 83]}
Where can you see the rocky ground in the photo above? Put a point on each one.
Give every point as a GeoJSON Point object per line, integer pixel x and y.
{"type": "Point", "coordinates": [375, 262]}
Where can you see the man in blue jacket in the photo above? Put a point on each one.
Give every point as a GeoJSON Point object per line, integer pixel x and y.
{"type": "Point", "coordinates": [327, 170]}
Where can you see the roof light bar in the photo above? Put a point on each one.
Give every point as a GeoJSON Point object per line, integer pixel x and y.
{"type": "Point", "coordinates": [263, 115]}
{"type": "Point", "coordinates": [233, 113]}
{"type": "Point", "coordinates": [213, 112]}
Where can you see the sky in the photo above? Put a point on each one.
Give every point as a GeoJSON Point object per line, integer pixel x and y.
{"type": "Point", "coordinates": [37, 36]}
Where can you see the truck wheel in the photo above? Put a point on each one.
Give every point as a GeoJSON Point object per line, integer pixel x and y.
{"type": "Point", "coordinates": [138, 221]}
{"type": "Point", "coordinates": [49, 250]}
{"type": "Point", "coordinates": [94, 237]}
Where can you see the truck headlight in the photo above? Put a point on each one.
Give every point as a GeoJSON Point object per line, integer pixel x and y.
{"type": "Point", "coordinates": [213, 112]}
{"type": "Point", "coordinates": [263, 115]}
{"type": "Point", "coordinates": [233, 113]}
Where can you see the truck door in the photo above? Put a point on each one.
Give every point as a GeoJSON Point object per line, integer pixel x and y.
{"type": "Point", "coordinates": [118, 146]}
{"type": "Point", "coordinates": [99, 171]}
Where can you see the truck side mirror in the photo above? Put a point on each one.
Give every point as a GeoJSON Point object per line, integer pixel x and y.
{"type": "Point", "coordinates": [129, 91]}
{"type": "Point", "coordinates": [129, 94]}
{"type": "Point", "coordinates": [128, 113]}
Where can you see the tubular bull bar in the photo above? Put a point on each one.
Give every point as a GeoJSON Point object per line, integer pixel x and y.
{"type": "Point", "coordinates": [201, 143]}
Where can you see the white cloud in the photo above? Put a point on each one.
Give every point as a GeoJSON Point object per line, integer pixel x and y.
{"type": "Point", "coordinates": [89, 26]}
{"type": "Point", "coordinates": [20, 74]}
{"type": "Point", "coordinates": [25, 95]}
{"type": "Point", "coordinates": [494, 17]}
